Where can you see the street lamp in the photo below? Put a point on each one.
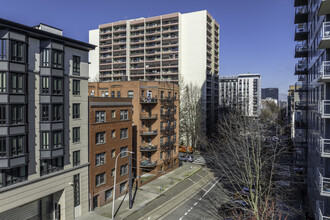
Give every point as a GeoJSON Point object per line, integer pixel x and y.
{"type": "Point", "coordinates": [114, 185]}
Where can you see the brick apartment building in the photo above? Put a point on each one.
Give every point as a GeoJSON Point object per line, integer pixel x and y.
{"type": "Point", "coordinates": [156, 123]}
{"type": "Point", "coordinates": [110, 133]}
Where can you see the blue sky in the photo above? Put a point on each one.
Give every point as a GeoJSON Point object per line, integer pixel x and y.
{"type": "Point", "coordinates": [255, 35]}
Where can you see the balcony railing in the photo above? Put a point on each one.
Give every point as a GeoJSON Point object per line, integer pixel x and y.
{"type": "Point", "coordinates": [323, 184]}
{"type": "Point", "coordinates": [301, 67]}
{"type": "Point", "coordinates": [301, 86]}
{"type": "Point", "coordinates": [301, 15]}
{"type": "Point", "coordinates": [149, 148]}
{"type": "Point", "coordinates": [301, 32]}
{"type": "Point", "coordinates": [148, 100]}
{"type": "Point", "coordinates": [324, 72]}
{"type": "Point", "coordinates": [325, 35]}
{"type": "Point", "coordinates": [148, 116]}
{"type": "Point", "coordinates": [324, 108]}
{"type": "Point", "coordinates": [148, 163]}
{"type": "Point", "coordinates": [301, 50]}
{"type": "Point", "coordinates": [10, 162]}
{"type": "Point", "coordinates": [301, 105]}
{"type": "Point", "coordinates": [148, 132]}
{"type": "Point", "coordinates": [324, 148]}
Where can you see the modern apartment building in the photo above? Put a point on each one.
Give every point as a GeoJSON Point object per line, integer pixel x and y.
{"type": "Point", "coordinates": [312, 34]}
{"type": "Point", "coordinates": [161, 48]}
{"type": "Point", "coordinates": [243, 92]}
{"type": "Point", "coordinates": [270, 94]}
{"type": "Point", "coordinates": [156, 123]}
{"type": "Point", "coordinates": [44, 123]}
{"type": "Point", "coordinates": [110, 134]}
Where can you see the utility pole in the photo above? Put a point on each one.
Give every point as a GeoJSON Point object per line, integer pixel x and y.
{"type": "Point", "coordinates": [130, 181]}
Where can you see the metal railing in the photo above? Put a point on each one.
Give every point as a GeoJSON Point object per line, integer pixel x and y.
{"type": "Point", "coordinates": [301, 48]}
{"type": "Point", "coordinates": [145, 99]}
{"type": "Point", "coordinates": [324, 147]}
{"type": "Point", "coordinates": [148, 148]}
{"type": "Point", "coordinates": [324, 184]}
{"type": "Point", "coordinates": [148, 116]}
{"type": "Point", "coordinates": [324, 108]}
{"type": "Point", "coordinates": [324, 70]}
{"type": "Point", "coordinates": [301, 65]}
{"type": "Point", "coordinates": [301, 10]}
{"type": "Point", "coordinates": [301, 28]}
{"type": "Point", "coordinates": [325, 30]}
{"type": "Point", "coordinates": [148, 132]}
{"type": "Point", "coordinates": [148, 163]}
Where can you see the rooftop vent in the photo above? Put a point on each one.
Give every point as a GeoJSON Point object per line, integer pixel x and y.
{"type": "Point", "coordinates": [50, 29]}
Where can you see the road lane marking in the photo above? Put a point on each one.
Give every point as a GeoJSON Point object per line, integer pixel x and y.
{"type": "Point", "coordinates": [200, 199]}
{"type": "Point", "coordinates": [186, 213]}
{"type": "Point", "coordinates": [192, 180]}
{"type": "Point", "coordinates": [199, 175]}
{"type": "Point", "coordinates": [181, 218]}
{"type": "Point", "coordinates": [195, 203]}
{"type": "Point", "coordinates": [211, 188]}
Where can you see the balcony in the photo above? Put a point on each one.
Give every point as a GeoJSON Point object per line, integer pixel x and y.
{"type": "Point", "coordinates": [300, 3]}
{"type": "Point", "coordinates": [323, 183]}
{"type": "Point", "coordinates": [301, 105]}
{"type": "Point", "coordinates": [301, 50]}
{"type": "Point", "coordinates": [150, 148]}
{"type": "Point", "coordinates": [148, 116]}
{"type": "Point", "coordinates": [9, 162]}
{"type": "Point", "coordinates": [148, 164]}
{"type": "Point", "coordinates": [148, 132]}
{"type": "Point", "coordinates": [324, 148]}
{"type": "Point", "coordinates": [51, 153]}
{"type": "Point", "coordinates": [324, 108]}
{"type": "Point", "coordinates": [301, 15]}
{"type": "Point", "coordinates": [148, 100]}
{"type": "Point", "coordinates": [324, 72]}
{"type": "Point", "coordinates": [301, 32]}
{"type": "Point", "coordinates": [324, 7]}
{"type": "Point", "coordinates": [300, 124]}
{"type": "Point", "coordinates": [300, 87]}
{"type": "Point", "coordinates": [168, 143]}
{"type": "Point", "coordinates": [325, 36]}
{"type": "Point", "coordinates": [301, 67]}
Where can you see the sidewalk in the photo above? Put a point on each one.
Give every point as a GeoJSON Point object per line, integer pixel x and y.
{"type": "Point", "coordinates": [144, 195]}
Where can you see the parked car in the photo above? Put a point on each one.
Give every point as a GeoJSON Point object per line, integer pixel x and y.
{"type": "Point", "coordinates": [183, 158]}
{"type": "Point", "coordinates": [191, 158]}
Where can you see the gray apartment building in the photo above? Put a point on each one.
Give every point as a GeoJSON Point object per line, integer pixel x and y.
{"type": "Point", "coordinates": [312, 133]}
{"type": "Point", "coordinates": [43, 123]}
{"type": "Point", "coordinates": [242, 92]}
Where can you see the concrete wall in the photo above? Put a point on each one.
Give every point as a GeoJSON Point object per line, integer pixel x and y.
{"type": "Point", "coordinates": [94, 68]}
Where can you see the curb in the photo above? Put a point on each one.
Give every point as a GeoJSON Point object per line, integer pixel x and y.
{"type": "Point", "coordinates": [165, 191]}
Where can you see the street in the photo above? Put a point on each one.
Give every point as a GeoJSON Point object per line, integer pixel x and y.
{"type": "Point", "coordinates": [201, 206]}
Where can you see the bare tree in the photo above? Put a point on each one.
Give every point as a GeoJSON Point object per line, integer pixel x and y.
{"type": "Point", "coordinates": [191, 115]}
{"type": "Point", "coordinates": [247, 155]}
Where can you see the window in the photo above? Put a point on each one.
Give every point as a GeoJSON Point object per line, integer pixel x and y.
{"type": "Point", "coordinates": [118, 94]}
{"type": "Point", "coordinates": [16, 83]}
{"type": "Point", "coordinates": [100, 179]}
{"type": "Point", "coordinates": [113, 133]}
{"type": "Point", "coordinates": [112, 172]}
{"type": "Point", "coordinates": [123, 114]}
{"type": "Point", "coordinates": [76, 190]}
{"type": "Point", "coordinates": [123, 169]}
{"type": "Point", "coordinates": [99, 159]}
{"type": "Point", "coordinates": [123, 151]}
{"type": "Point", "coordinates": [50, 166]}
{"type": "Point", "coordinates": [3, 149]}
{"type": "Point", "coordinates": [3, 81]}
{"type": "Point", "coordinates": [76, 87]}
{"type": "Point", "coordinates": [112, 94]}
{"type": "Point", "coordinates": [123, 133]}
{"type": "Point", "coordinates": [108, 194]}
{"type": "Point", "coordinates": [57, 59]}
{"type": "Point", "coordinates": [17, 146]}
{"type": "Point", "coordinates": [113, 153]}
{"type": "Point", "coordinates": [76, 135]}
{"type": "Point", "coordinates": [57, 86]}
{"type": "Point", "coordinates": [162, 94]}
{"type": "Point", "coordinates": [76, 158]}
{"type": "Point", "coordinates": [113, 114]}
{"type": "Point", "coordinates": [17, 51]}
{"type": "Point", "coordinates": [100, 116]}
{"type": "Point", "coordinates": [57, 112]}
{"type": "Point", "coordinates": [17, 114]}
{"type": "Point", "coordinates": [161, 155]}
{"type": "Point", "coordinates": [44, 140]}
{"type": "Point", "coordinates": [45, 85]}
{"type": "Point", "coordinates": [76, 65]}
{"type": "Point", "coordinates": [76, 111]}
{"type": "Point", "coordinates": [44, 112]}
{"type": "Point", "coordinates": [122, 187]}
{"type": "Point", "coordinates": [2, 114]}
{"type": "Point", "coordinates": [15, 175]}
{"type": "Point", "coordinates": [45, 58]}
{"type": "Point", "coordinates": [130, 94]}
{"type": "Point", "coordinates": [57, 139]}
{"type": "Point", "coordinates": [100, 138]}
{"type": "Point", "coordinates": [3, 50]}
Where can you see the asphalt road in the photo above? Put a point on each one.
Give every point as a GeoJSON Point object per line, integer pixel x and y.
{"type": "Point", "coordinates": [200, 206]}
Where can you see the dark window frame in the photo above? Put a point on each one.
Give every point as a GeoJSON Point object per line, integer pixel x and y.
{"type": "Point", "coordinates": [76, 65]}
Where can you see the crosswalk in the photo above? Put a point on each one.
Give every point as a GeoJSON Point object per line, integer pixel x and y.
{"type": "Point", "coordinates": [200, 161]}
